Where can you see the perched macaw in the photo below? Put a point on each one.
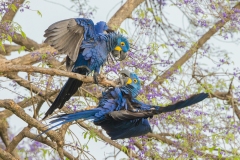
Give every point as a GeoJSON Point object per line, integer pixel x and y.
{"type": "Point", "coordinates": [120, 114]}
{"type": "Point", "coordinates": [87, 49]}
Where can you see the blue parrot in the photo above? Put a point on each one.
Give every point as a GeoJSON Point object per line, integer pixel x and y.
{"type": "Point", "coordinates": [87, 49]}
{"type": "Point", "coordinates": [120, 114]}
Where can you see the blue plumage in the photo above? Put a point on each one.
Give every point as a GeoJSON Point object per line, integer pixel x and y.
{"type": "Point", "coordinates": [120, 114]}
{"type": "Point", "coordinates": [86, 47]}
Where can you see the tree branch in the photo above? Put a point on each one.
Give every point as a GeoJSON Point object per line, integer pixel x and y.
{"type": "Point", "coordinates": [104, 138]}
{"type": "Point", "coordinates": [169, 142]}
{"type": "Point", "coordinates": [123, 13]}
{"type": "Point", "coordinates": [9, 49]}
{"type": "Point", "coordinates": [5, 155]}
{"type": "Point", "coordinates": [194, 48]}
{"type": "Point", "coordinates": [49, 143]}
{"type": "Point", "coordinates": [11, 14]}
{"type": "Point", "coordinates": [18, 111]}
{"type": "Point", "coordinates": [16, 140]}
{"type": "Point", "coordinates": [32, 57]}
{"type": "Point", "coordinates": [25, 68]}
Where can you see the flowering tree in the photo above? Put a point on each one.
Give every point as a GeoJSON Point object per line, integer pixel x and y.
{"type": "Point", "coordinates": [173, 62]}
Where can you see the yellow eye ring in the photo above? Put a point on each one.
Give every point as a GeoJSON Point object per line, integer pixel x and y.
{"type": "Point", "coordinates": [135, 81]}
{"type": "Point", "coordinates": [122, 43]}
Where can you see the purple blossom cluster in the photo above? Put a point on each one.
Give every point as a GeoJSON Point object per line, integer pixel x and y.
{"type": "Point", "coordinates": [162, 2]}
{"type": "Point", "coordinates": [202, 23]}
{"type": "Point", "coordinates": [8, 29]}
{"type": "Point", "coordinates": [143, 22]}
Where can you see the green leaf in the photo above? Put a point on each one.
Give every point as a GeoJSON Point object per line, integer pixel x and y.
{"type": "Point", "coordinates": [22, 48]}
{"type": "Point", "coordinates": [158, 19]}
{"type": "Point", "coordinates": [150, 10]}
{"type": "Point", "coordinates": [141, 13]}
{"type": "Point", "coordinates": [39, 13]}
{"type": "Point", "coordinates": [9, 38]}
{"type": "Point", "coordinates": [23, 34]}
{"type": "Point", "coordinates": [163, 46]}
{"type": "Point", "coordinates": [122, 31]}
{"type": "Point", "coordinates": [180, 69]}
{"type": "Point", "coordinates": [13, 7]}
{"type": "Point", "coordinates": [44, 153]}
{"type": "Point", "coordinates": [2, 46]}
{"type": "Point", "coordinates": [211, 149]}
{"type": "Point", "coordinates": [124, 149]}
{"type": "Point", "coordinates": [44, 55]}
{"type": "Point", "coordinates": [85, 135]}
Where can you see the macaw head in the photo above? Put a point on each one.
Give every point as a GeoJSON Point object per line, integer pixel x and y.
{"type": "Point", "coordinates": [131, 81]}
{"type": "Point", "coordinates": [100, 27]}
{"type": "Point", "coordinates": [121, 48]}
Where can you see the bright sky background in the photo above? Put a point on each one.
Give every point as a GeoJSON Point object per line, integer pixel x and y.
{"type": "Point", "coordinates": [34, 25]}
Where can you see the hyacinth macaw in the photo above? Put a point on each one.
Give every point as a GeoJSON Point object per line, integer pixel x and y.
{"type": "Point", "coordinates": [120, 114]}
{"type": "Point", "coordinates": [87, 49]}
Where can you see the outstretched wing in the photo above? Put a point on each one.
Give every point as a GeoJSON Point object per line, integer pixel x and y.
{"type": "Point", "coordinates": [145, 111]}
{"type": "Point", "coordinates": [66, 36]}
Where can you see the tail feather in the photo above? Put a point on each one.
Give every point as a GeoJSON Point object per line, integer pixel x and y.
{"type": "Point", "coordinates": [65, 118]}
{"type": "Point", "coordinates": [87, 114]}
{"type": "Point", "coordinates": [181, 104]}
{"type": "Point", "coordinates": [69, 89]}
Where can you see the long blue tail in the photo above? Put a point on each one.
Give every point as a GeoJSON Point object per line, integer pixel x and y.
{"type": "Point", "coordinates": [65, 118]}
{"type": "Point", "coordinates": [69, 89]}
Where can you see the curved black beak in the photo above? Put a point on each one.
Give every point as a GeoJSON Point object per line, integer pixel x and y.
{"type": "Point", "coordinates": [122, 56]}
{"type": "Point", "coordinates": [125, 75]}
{"type": "Point", "coordinates": [119, 55]}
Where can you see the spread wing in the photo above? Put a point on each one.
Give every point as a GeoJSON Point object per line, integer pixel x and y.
{"type": "Point", "coordinates": [144, 111]}
{"type": "Point", "coordinates": [66, 36]}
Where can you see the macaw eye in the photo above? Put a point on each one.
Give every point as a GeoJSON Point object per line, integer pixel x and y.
{"type": "Point", "coordinates": [122, 44]}
{"type": "Point", "coordinates": [135, 81]}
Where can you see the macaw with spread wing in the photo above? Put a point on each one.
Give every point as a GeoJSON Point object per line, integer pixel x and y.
{"type": "Point", "coordinates": [120, 114]}
{"type": "Point", "coordinates": [87, 49]}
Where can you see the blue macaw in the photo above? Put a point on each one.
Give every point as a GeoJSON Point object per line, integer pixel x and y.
{"type": "Point", "coordinates": [120, 114]}
{"type": "Point", "coordinates": [87, 49]}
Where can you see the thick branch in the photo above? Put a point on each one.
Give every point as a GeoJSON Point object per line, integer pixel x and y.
{"type": "Point", "coordinates": [49, 143]}
{"type": "Point", "coordinates": [9, 49]}
{"type": "Point", "coordinates": [50, 71]}
{"type": "Point", "coordinates": [5, 155]}
{"type": "Point", "coordinates": [32, 57]}
{"type": "Point", "coordinates": [11, 14]}
{"type": "Point", "coordinates": [27, 42]}
{"type": "Point", "coordinates": [124, 12]}
{"type": "Point", "coordinates": [16, 140]}
{"type": "Point", "coordinates": [4, 134]}
{"type": "Point", "coordinates": [18, 111]}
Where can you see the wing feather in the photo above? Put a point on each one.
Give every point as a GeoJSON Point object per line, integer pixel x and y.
{"type": "Point", "coordinates": [145, 111]}
{"type": "Point", "coordinates": [66, 36]}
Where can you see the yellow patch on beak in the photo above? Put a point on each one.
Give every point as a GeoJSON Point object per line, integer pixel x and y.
{"type": "Point", "coordinates": [129, 81]}
{"type": "Point", "coordinates": [118, 48]}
